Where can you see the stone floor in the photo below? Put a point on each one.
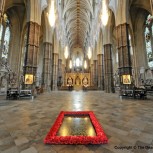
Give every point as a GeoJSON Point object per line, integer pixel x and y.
{"type": "Point", "coordinates": [128, 123]}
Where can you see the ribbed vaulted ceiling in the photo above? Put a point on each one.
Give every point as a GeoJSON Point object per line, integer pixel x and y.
{"type": "Point", "coordinates": [77, 15]}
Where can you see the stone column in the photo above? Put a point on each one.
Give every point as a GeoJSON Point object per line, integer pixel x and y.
{"type": "Point", "coordinates": [2, 6]}
{"type": "Point", "coordinates": [47, 71]}
{"type": "Point", "coordinates": [32, 48]}
{"type": "Point", "coordinates": [123, 47]}
{"type": "Point", "coordinates": [100, 61]}
{"type": "Point", "coordinates": [55, 71]}
{"type": "Point", "coordinates": [59, 72]}
{"type": "Point", "coordinates": [91, 75]}
{"type": "Point", "coordinates": [66, 65]}
{"type": "Point", "coordinates": [95, 72]}
{"type": "Point", "coordinates": [109, 83]}
{"type": "Point", "coordinates": [68, 70]}
{"type": "Point", "coordinates": [63, 75]}
{"type": "Point", "coordinates": [151, 4]}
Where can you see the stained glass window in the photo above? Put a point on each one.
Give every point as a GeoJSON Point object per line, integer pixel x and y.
{"type": "Point", "coordinates": [5, 37]}
{"type": "Point", "coordinates": [77, 62]}
{"type": "Point", "coordinates": [148, 37]}
{"type": "Point", "coordinates": [6, 43]}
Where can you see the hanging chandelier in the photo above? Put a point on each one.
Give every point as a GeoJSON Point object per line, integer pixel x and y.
{"type": "Point", "coordinates": [104, 16]}
{"type": "Point", "coordinates": [85, 64]}
{"type": "Point", "coordinates": [70, 64]}
{"type": "Point", "coordinates": [89, 53]}
{"type": "Point", "coordinates": [66, 52]}
{"type": "Point", "coordinates": [51, 15]}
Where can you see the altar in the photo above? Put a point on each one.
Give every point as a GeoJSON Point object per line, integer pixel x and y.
{"type": "Point", "coordinates": [78, 79]}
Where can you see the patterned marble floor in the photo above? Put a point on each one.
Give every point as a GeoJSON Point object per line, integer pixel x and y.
{"type": "Point", "coordinates": [128, 123]}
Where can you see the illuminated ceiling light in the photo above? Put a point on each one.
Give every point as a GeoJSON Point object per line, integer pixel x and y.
{"type": "Point", "coordinates": [104, 16]}
{"type": "Point", "coordinates": [66, 53]}
{"type": "Point", "coordinates": [70, 64]}
{"type": "Point", "coordinates": [89, 53]}
{"type": "Point", "coordinates": [51, 15]}
{"type": "Point", "coordinates": [85, 64]}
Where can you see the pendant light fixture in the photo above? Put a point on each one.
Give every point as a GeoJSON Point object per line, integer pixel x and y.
{"type": "Point", "coordinates": [104, 16]}
{"type": "Point", "coordinates": [89, 53]}
{"type": "Point", "coordinates": [66, 52]}
{"type": "Point", "coordinates": [51, 15]}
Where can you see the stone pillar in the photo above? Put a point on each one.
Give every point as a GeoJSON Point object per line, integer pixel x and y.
{"type": "Point", "coordinates": [95, 73]}
{"type": "Point", "coordinates": [68, 70]}
{"type": "Point", "coordinates": [109, 83]}
{"type": "Point", "coordinates": [59, 72]}
{"type": "Point", "coordinates": [123, 47]}
{"type": "Point", "coordinates": [100, 62]}
{"type": "Point", "coordinates": [66, 65]}
{"type": "Point", "coordinates": [47, 71]}
{"type": "Point", "coordinates": [63, 75]}
{"type": "Point", "coordinates": [151, 4]}
{"type": "Point", "coordinates": [55, 71]}
{"type": "Point", "coordinates": [92, 74]}
{"type": "Point", "coordinates": [32, 48]}
{"type": "Point", "coordinates": [2, 6]}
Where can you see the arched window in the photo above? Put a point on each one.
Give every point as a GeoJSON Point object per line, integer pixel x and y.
{"type": "Point", "coordinates": [5, 37]}
{"type": "Point", "coordinates": [77, 62]}
{"type": "Point", "coordinates": [149, 40]}
{"type": "Point", "coordinates": [6, 43]}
